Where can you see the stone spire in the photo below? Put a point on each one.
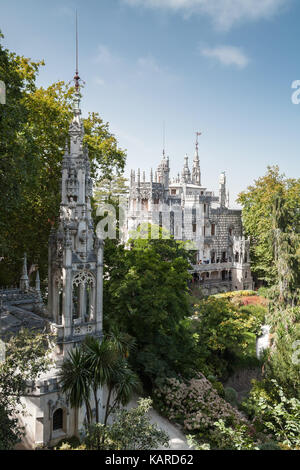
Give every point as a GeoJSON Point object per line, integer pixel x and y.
{"type": "Point", "coordinates": [75, 275]}
{"type": "Point", "coordinates": [24, 281]}
{"type": "Point", "coordinates": [222, 190]}
{"type": "Point", "coordinates": [37, 282]}
{"type": "Point", "coordinates": [186, 174]}
{"type": "Point", "coordinates": [196, 178]}
{"type": "Point", "coordinates": [163, 171]}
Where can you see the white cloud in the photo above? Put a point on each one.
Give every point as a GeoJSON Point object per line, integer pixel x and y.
{"type": "Point", "coordinates": [227, 55]}
{"type": "Point", "coordinates": [99, 81]}
{"type": "Point", "coordinates": [223, 13]}
{"type": "Point", "coordinates": [104, 55]}
{"type": "Point", "coordinates": [149, 64]}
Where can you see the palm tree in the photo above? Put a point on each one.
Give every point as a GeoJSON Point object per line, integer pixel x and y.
{"type": "Point", "coordinates": [123, 382]}
{"type": "Point", "coordinates": [102, 358]}
{"type": "Point", "coordinates": [96, 364]}
{"type": "Point", "coordinates": [75, 379]}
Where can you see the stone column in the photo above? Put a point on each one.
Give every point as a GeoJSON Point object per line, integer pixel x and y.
{"type": "Point", "coordinates": [67, 288]}
{"type": "Point", "coordinates": [99, 287]}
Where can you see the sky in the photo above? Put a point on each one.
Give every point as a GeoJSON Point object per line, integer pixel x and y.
{"type": "Point", "coordinates": [221, 67]}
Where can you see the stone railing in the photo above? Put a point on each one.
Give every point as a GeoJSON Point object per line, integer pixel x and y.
{"type": "Point", "coordinates": [211, 267]}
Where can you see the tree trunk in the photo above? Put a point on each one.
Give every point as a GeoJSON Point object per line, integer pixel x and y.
{"type": "Point", "coordinates": [96, 404]}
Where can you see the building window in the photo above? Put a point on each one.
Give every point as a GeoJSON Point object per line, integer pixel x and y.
{"type": "Point", "coordinates": [230, 232]}
{"type": "Point", "coordinates": [213, 230]}
{"type": "Point", "coordinates": [194, 228]}
{"type": "Point", "coordinates": [144, 204]}
{"type": "Point", "coordinates": [58, 420]}
{"type": "Point", "coordinates": [205, 207]}
{"type": "Point", "coordinates": [173, 192]}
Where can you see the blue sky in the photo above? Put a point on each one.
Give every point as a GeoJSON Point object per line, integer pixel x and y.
{"type": "Point", "coordinates": [223, 67]}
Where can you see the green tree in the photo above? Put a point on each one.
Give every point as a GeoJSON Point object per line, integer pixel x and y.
{"type": "Point", "coordinates": [27, 356]}
{"type": "Point", "coordinates": [98, 364]}
{"type": "Point", "coordinates": [146, 294]}
{"type": "Point", "coordinates": [75, 380]}
{"type": "Point", "coordinates": [223, 333]}
{"type": "Point", "coordinates": [258, 210]}
{"type": "Point", "coordinates": [131, 430]}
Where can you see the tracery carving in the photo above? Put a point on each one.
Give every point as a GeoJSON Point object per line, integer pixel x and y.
{"type": "Point", "coordinates": [83, 278]}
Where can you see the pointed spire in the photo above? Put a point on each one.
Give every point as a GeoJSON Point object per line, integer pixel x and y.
{"type": "Point", "coordinates": [24, 281]}
{"type": "Point", "coordinates": [77, 77]}
{"type": "Point", "coordinates": [196, 165]}
{"type": "Point", "coordinates": [222, 189]}
{"type": "Point", "coordinates": [186, 174]}
{"type": "Point", "coordinates": [37, 282]}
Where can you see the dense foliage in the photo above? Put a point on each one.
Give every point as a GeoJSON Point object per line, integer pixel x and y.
{"type": "Point", "coordinates": [27, 356]}
{"type": "Point", "coordinates": [131, 430]}
{"type": "Point", "coordinates": [259, 203]}
{"type": "Point", "coordinates": [146, 295]}
{"type": "Point", "coordinates": [225, 334]}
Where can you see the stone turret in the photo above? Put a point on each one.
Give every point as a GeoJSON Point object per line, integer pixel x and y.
{"type": "Point", "coordinates": [196, 173]}
{"type": "Point", "coordinates": [24, 280]}
{"type": "Point", "coordinates": [222, 190]}
{"type": "Point", "coordinates": [163, 171]}
{"type": "Point", "coordinates": [75, 256]}
{"type": "Point", "coordinates": [186, 174]}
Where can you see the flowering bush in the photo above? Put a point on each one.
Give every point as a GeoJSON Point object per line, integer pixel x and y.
{"type": "Point", "coordinates": [195, 404]}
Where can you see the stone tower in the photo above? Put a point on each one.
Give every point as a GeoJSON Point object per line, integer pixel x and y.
{"type": "Point", "coordinates": [75, 274]}
{"type": "Point", "coordinates": [222, 190]}
{"type": "Point", "coordinates": [196, 167]}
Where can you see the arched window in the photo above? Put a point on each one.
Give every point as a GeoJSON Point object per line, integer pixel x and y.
{"type": "Point", "coordinates": [83, 296]}
{"type": "Point", "coordinates": [58, 420]}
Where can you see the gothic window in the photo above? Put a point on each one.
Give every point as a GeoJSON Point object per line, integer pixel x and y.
{"type": "Point", "coordinates": [58, 420]}
{"type": "Point", "coordinates": [173, 192]}
{"type": "Point", "coordinates": [194, 228]}
{"type": "Point", "coordinates": [223, 257]}
{"type": "Point", "coordinates": [230, 231]}
{"type": "Point", "coordinates": [213, 257]}
{"type": "Point", "coordinates": [83, 296]}
{"type": "Point", "coordinates": [205, 208]}
{"type": "Point", "coordinates": [144, 204]}
{"type": "Point", "coordinates": [236, 257]}
{"type": "Point", "coordinates": [213, 229]}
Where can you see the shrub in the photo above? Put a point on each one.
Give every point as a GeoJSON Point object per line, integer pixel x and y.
{"type": "Point", "coordinates": [270, 445]}
{"type": "Point", "coordinates": [68, 443]}
{"type": "Point", "coordinates": [195, 404]}
{"type": "Point", "coordinates": [231, 396]}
